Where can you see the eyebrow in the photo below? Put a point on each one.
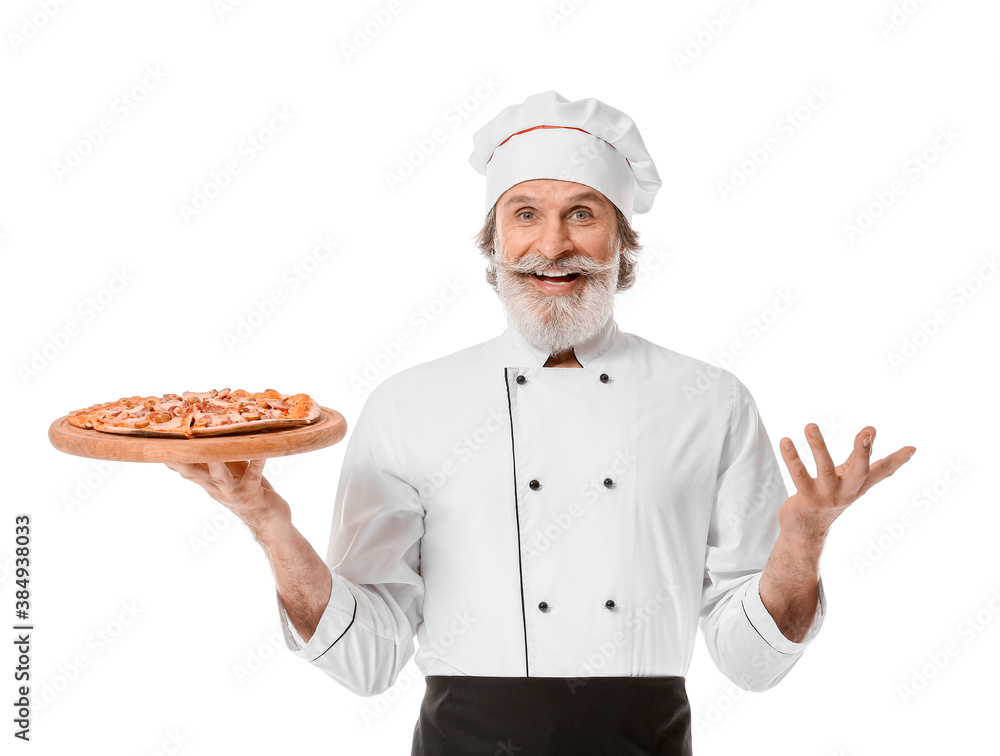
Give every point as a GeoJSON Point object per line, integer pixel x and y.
{"type": "Point", "coordinates": [528, 200]}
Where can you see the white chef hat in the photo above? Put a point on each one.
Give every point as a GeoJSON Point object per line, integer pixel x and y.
{"type": "Point", "coordinates": [585, 141]}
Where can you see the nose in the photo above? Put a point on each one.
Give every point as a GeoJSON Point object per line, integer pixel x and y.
{"type": "Point", "coordinates": [554, 238]}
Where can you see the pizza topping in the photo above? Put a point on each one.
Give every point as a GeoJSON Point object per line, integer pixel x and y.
{"type": "Point", "coordinates": [192, 414]}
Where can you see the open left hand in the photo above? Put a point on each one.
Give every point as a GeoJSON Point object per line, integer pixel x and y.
{"type": "Point", "coordinates": [817, 502]}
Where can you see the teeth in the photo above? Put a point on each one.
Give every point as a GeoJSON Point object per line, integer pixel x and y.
{"type": "Point", "coordinates": [552, 274]}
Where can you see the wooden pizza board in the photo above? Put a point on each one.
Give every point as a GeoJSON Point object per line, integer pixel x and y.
{"type": "Point", "coordinates": [271, 442]}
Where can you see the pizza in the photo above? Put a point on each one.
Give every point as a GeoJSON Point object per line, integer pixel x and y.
{"type": "Point", "coordinates": [193, 414]}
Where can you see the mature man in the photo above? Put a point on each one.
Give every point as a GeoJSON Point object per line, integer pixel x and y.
{"type": "Point", "coordinates": [550, 537]}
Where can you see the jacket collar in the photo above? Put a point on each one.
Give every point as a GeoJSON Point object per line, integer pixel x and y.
{"type": "Point", "coordinates": [525, 354]}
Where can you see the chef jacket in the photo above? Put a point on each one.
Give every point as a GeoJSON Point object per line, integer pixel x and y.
{"type": "Point", "coordinates": [521, 520]}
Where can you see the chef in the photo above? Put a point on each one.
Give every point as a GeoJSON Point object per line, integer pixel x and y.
{"type": "Point", "coordinates": [544, 519]}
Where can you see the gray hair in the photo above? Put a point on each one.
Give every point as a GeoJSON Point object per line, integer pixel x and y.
{"type": "Point", "coordinates": [626, 237]}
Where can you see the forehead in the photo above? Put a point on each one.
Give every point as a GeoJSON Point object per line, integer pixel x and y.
{"type": "Point", "coordinates": [550, 192]}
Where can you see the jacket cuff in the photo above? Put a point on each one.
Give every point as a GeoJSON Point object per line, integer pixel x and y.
{"type": "Point", "coordinates": [335, 621]}
{"type": "Point", "coordinates": [762, 621]}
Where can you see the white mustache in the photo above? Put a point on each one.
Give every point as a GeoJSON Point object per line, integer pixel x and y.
{"type": "Point", "coordinates": [582, 264]}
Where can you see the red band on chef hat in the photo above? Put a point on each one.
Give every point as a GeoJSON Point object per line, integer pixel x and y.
{"type": "Point", "coordinates": [541, 127]}
{"type": "Point", "coordinates": [584, 141]}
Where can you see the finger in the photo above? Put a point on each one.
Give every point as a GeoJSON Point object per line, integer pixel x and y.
{"type": "Point", "coordinates": [219, 473]}
{"type": "Point", "coordinates": [254, 472]}
{"type": "Point", "coordinates": [858, 465]}
{"type": "Point", "coordinates": [185, 469]}
{"type": "Point", "coordinates": [804, 483]}
{"type": "Point", "coordinates": [826, 471]}
{"type": "Point", "coordinates": [885, 467]}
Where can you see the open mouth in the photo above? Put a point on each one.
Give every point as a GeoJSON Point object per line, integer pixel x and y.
{"type": "Point", "coordinates": [556, 279]}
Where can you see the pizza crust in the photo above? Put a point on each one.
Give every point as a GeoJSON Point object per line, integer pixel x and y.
{"type": "Point", "coordinates": [252, 426]}
{"type": "Point", "coordinates": [120, 430]}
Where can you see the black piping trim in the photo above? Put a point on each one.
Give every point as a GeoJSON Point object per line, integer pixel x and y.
{"type": "Point", "coordinates": [743, 607]}
{"type": "Point", "coordinates": [517, 516]}
{"type": "Point", "coordinates": [345, 629]}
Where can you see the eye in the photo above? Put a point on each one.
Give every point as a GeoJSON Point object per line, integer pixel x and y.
{"type": "Point", "coordinates": [524, 212]}
{"type": "Point", "coordinates": [586, 212]}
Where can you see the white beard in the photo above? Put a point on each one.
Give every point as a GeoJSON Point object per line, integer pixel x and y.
{"type": "Point", "coordinates": [558, 322]}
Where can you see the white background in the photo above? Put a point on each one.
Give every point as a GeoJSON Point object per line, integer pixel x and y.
{"type": "Point", "coordinates": [180, 591]}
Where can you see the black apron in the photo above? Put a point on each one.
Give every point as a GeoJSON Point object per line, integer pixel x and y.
{"type": "Point", "coordinates": [537, 716]}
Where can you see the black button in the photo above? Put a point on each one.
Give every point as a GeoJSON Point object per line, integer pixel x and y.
{"type": "Point", "coordinates": [610, 604]}
{"type": "Point", "coordinates": [535, 485]}
{"type": "Point", "coordinates": [604, 378]}
{"type": "Point", "coordinates": [543, 606]}
{"type": "Point", "coordinates": [608, 482]}
{"type": "Point", "coordinates": [520, 379]}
